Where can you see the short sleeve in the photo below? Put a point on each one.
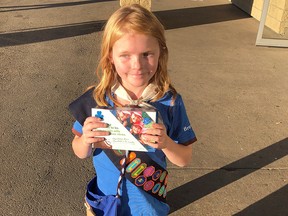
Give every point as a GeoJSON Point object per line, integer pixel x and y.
{"type": "Point", "coordinates": [77, 129]}
{"type": "Point", "coordinates": [181, 130]}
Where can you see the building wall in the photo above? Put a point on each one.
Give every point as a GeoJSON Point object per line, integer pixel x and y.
{"type": "Point", "coordinates": [144, 3]}
{"type": "Point", "coordinates": [277, 17]}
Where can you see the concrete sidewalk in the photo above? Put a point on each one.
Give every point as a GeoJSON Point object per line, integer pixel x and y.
{"type": "Point", "coordinates": [235, 94]}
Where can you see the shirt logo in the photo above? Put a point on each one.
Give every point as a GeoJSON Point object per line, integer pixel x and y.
{"type": "Point", "coordinates": [187, 128]}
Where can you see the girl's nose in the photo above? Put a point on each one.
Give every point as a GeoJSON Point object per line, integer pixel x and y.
{"type": "Point", "coordinates": [136, 62]}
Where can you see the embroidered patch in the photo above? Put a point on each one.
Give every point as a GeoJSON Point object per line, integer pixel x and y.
{"type": "Point", "coordinates": [165, 192]}
{"type": "Point", "coordinates": [162, 190]}
{"type": "Point", "coordinates": [163, 176]}
{"type": "Point", "coordinates": [140, 180]}
{"type": "Point", "coordinates": [148, 185]}
{"type": "Point", "coordinates": [133, 165]}
{"type": "Point", "coordinates": [166, 180]}
{"type": "Point", "coordinates": [131, 156]}
{"type": "Point", "coordinates": [138, 170]}
{"type": "Point", "coordinates": [156, 188]}
{"type": "Point", "coordinates": [149, 171]}
{"type": "Point", "coordinates": [156, 175]}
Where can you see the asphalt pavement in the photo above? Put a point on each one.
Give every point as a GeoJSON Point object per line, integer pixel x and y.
{"type": "Point", "coordinates": [235, 94]}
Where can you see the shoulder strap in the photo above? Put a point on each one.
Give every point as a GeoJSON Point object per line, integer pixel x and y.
{"type": "Point", "coordinates": [142, 171]}
{"type": "Point", "coordinates": [81, 107]}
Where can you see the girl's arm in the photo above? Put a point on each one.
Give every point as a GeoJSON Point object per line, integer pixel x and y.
{"type": "Point", "coordinates": [82, 145]}
{"type": "Point", "coordinates": [180, 155]}
{"type": "Point", "coordinates": [80, 148]}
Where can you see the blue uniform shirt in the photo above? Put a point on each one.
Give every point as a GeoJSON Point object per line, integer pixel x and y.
{"type": "Point", "coordinates": [134, 200]}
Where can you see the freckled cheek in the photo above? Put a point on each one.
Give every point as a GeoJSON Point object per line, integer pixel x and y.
{"type": "Point", "coordinates": [153, 65]}
{"type": "Point", "coordinates": [153, 68]}
{"type": "Point", "coordinates": [121, 68]}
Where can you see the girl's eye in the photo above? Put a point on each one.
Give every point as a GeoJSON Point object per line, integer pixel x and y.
{"type": "Point", "coordinates": [124, 56]}
{"type": "Point", "coordinates": [146, 54]}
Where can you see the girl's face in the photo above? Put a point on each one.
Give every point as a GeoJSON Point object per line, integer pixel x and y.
{"type": "Point", "coordinates": [135, 57]}
{"type": "Point", "coordinates": [135, 118]}
{"type": "Point", "coordinates": [136, 129]}
{"type": "Point", "coordinates": [123, 116]}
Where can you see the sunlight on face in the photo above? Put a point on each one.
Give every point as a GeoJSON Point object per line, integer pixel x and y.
{"type": "Point", "coordinates": [135, 57]}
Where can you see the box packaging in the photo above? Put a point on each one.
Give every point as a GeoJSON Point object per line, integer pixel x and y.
{"type": "Point", "coordinates": [126, 125]}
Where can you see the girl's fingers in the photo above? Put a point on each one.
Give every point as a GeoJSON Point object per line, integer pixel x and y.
{"type": "Point", "coordinates": [96, 133]}
{"type": "Point", "coordinates": [91, 120]}
{"type": "Point", "coordinates": [94, 140]}
{"type": "Point", "coordinates": [151, 139]}
{"type": "Point", "coordinates": [158, 126]}
{"type": "Point", "coordinates": [93, 126]}
{"type": "Point", "coordinates": [102, 145]}
{"type": "Point", "coordinates": [155, 140]}
{"type": "Point", "coordinates": [92, 123]}
{"type": "Point", "coordinates": [155, 144]}
{"type": "Point", "coordinates": [157, 129]}
{"type": "Point", "coordinates": [154, 132]}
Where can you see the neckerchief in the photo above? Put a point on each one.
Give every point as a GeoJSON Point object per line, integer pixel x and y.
{"type": "Point", "coordinates": [148, 94]}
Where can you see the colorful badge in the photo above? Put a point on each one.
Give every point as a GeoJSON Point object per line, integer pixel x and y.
{"type": "Point", "coordinates": [148, 185]}
{"type": "Point", "coordinates": [163, 176]}
{"type": "Point", "coordinates": [156, 175]}
{"type": "Point", "coordinates": [138, 170]}
{"type": "Point", "coordinates": [149, 171]}
{"type": "Point", "coordinates": [133, 165]}
{"type": "Point", "coordinates": [166, 180]}
{"type": "Point", "coordinates": [140, 181]}
{"type": "Point", "coordinates": [131, 156]}
{"type": "Point", "coordinates": [156, 188]}
{"type": "Point", "coordinates": [162, 190]}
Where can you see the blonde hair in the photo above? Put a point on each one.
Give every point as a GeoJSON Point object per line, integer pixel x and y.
{"type": "Point", "coordinates": [127, 19]}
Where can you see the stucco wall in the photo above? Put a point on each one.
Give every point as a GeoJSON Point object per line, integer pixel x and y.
{"type": "Point", "coordinates": [277, 17]}
{"type": "Point", "coordinates": [144, 3]}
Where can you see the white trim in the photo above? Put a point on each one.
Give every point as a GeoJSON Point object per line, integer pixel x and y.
{"type": "Point", "coordinates": [260, 41]}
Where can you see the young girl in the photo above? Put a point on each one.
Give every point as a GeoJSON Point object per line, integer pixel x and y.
{"type": "Point", "coordinates": [133, 71]}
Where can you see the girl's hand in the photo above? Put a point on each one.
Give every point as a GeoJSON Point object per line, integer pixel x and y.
{"type": "Point", "coordinates": [156, 136]}
{"type": "Point", "coordinates": [91, 135]}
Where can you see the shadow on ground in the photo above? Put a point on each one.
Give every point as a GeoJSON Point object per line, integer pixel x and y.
{"type": "Point", "coordinates": [45, 6]}
{"type": "Point", "coordinates": [185, 17]}
{"type": "Point", "coordinates": [204, 185]}
{"type": "Point", "coordinates": [272, 203]}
